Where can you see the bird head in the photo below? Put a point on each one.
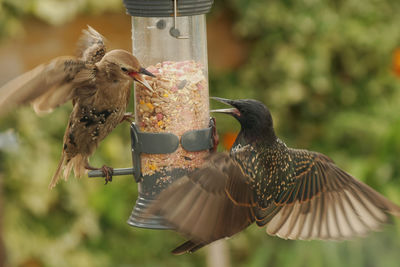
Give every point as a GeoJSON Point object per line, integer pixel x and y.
{"type": "Point", "coordinates": [125, 64]}
{"type": "Point", "coordinates": [253, 116]}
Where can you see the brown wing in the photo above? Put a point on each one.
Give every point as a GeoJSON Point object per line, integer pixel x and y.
{"type": "Point", "coordinates": [48, 85]}
{"type": "Point", "coordinates": [211, 203]}
{"type": "Point", "coordinates": [325, 202]}
{"type": "Point", "coordinates": [91, 46]}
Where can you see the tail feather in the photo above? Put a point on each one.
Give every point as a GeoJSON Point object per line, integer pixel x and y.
{"type": "Point", "coordinates": [76, 163]}
{"type": "Point", "coordinates": [188, 246]}
{"type": "Point", "coordinates": [56, 176]}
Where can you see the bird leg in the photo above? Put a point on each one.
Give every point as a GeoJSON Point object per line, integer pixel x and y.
{"type": "Point", "coordinates": [128, 116]}
{"type": "Point", "coordinates": [214, 135]}
{"type": "Point", "coordinates": [107, 171]}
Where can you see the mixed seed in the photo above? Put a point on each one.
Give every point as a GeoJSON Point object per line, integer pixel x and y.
{"type": "Point", "coordinates": [178, 104]}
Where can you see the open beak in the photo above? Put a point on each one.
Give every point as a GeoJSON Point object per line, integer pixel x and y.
{"type": "Point", "coordinates": [231, 111]}
{"type": "Point", "coordinates": [138, 76]}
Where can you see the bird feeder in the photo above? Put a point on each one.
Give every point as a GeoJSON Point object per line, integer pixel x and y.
{"type": "Point", "coordinates": [172, 132]}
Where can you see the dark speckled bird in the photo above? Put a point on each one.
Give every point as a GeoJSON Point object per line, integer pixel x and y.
{"type": "Point", "coordinates": [296, 194]}
{"type": "Point", "coordinates": [99, 85]}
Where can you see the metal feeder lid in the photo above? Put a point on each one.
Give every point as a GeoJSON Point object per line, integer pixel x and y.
{"type": "Point", "coordinates": [165, 8]}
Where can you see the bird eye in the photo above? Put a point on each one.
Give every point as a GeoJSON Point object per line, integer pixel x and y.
{"type": "Point", "coordinates": [124, 69]}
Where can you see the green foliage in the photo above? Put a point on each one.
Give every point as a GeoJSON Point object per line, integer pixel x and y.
{"type": "Point", "coordinates": [324, 70]}
{"type": "Point", "coordinates": [54, 12]}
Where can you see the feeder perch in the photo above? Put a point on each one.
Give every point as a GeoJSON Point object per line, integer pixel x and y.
{"type": "Point", "coordinates": [173, 131]}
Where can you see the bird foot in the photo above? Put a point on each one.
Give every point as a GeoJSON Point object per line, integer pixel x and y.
{"type": "Point", "coordinates": [128, 116]}
{"type": "Point", "coordinates": [108, 173]}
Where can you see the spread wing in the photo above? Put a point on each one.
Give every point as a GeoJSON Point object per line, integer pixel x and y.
{"type": "Point", "coordinates": [91, 46]}
{"type": "Point", "coordinates": [48, 85]}
{"type": "Point", "coordinates": [211, 203]}
{"type": "Point", "coordinates": [324, 202]}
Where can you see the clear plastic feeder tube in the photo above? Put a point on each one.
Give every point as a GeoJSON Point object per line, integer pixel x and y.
{"type": "Point", "coordinates": [175, 51]}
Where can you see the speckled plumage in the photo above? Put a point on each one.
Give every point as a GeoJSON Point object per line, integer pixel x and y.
{"type": "Point", "coordinates": [96, 81]}
{"type": "Point", "coordinates": [294, 193]}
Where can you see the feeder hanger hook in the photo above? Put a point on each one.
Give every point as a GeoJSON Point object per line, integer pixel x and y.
{"type": "Point", "coordinates": [174, 31]}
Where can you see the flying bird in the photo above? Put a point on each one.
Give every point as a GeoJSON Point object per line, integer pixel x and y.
{"type": "Point", "coordinates": [96, 81]}
{"type": "Point", "coordinates": [294, 193]}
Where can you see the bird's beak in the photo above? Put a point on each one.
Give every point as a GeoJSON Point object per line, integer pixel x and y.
{"type": "Point", "coordinates": [146, 72]}
{"type": "Point", "coordinates": [231, 111]}
{"type": "Point", "coordinates": [138, 76]}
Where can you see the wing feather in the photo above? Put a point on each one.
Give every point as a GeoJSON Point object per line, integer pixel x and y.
{"type": "Point", "coordinates": [91, 46]}
{"type": "Point", "coordinates": [47, 82]}
{"type": "Point", "coordinates": [211, 203]}
{"type": "Point", "coordinates": [325, 202]}
{"type": "Point", "coordinates": [52, 84]}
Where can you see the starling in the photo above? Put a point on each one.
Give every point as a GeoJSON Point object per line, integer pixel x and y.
{"type": "Point", "coordinates": [294, 193]}
{"type": "Point", "coordinates": [97, 82]}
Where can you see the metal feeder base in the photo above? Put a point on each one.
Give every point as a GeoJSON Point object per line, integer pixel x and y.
{"type": "Point", "coordinates": [139, 219]}
{"type": "Point", "coordinates": [149, 189]}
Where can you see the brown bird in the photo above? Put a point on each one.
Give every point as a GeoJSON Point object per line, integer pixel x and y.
{"type": "Point", "coordinates": [296, 194]}
{"type": "Point", "coordinates": [99, 85]}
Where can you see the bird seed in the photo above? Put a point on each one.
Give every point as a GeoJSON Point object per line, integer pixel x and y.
{"type": "Point", "coordinates": [178, 104]}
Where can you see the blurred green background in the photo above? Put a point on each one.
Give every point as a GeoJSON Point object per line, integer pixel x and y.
{"type": "Point", "coordinates": [329, 70]}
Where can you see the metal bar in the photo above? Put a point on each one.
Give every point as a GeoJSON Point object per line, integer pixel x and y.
{"type": "Point", "coordinates": [120, 171]}
{"type": "Point", "coordinates": [175, 12]}
{"type": "Point", "coordinates": [174, 31]}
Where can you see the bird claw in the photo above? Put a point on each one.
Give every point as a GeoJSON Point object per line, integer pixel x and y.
{"type": "Point", "coordinates": [108, 173]}
{"type": "Point", "coordinates": [128, 116]}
